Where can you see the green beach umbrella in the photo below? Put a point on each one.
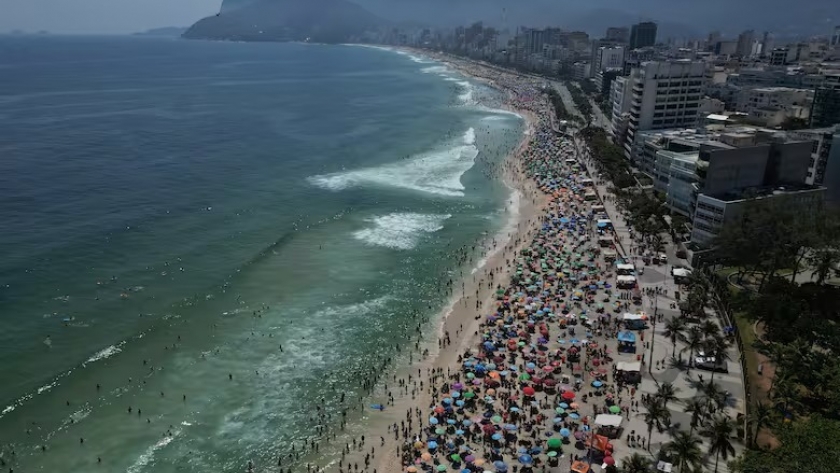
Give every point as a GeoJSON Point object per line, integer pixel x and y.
{"type": "Point", "coordinates": [441, 468]}
{"type": "Point", "coordinates": [554, 442]}
{"type": "Point", "coordinates": [560, 410]}
{"type": "Point", "coordinates": [455, 457]}
{"type": "Point", "coordinates": [552, 454]}
{"type": "Point", "coordinates": [525, 376]}
{"type": "Point", "coordinates": [469, 394]}
{"type": "Point", "coordinates": [615, 409]}
{"type": "Point", "coordinates": [470, 375]}
{"type": "Point", "coordinates": [496, 419]}
{"type": "Point", "coordinates": [440, 431]}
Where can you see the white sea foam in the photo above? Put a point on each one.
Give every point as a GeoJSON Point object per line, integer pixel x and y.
{"type": "Point", "coordinates": [400, 231]}
{"type": "Point", "coordinates": [435, 70]}
{"type": "Point", "coordinates": [47, 387]}
{"type": "Point", "coordinates": [149, 454]}
{"type": "Point", "coordinates": [436, 172]}
{"type": "Point", "coordinates": [466, 97]}
{"type": "Point", "coordinates": [498, 111]}
{"type": "Point", "coordinates": [105, 353]}
{"type": "Point", "coordinates": [414, 58]}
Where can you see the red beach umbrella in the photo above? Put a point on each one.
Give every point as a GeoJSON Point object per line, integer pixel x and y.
{"type": "Point", "coordinates": [528, 391]}
{"type": "Point", "coordinates": [568, 395]}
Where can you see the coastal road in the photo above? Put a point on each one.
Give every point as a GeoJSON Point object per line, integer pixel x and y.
{"type": "Point", "coordinates": [567, 97]}
{"type": "Point", "coordinates": [598, 117]}
{"type": "Point", "coordinates": [662, 350]}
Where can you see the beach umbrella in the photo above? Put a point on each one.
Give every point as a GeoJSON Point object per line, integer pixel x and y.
{"type": "Point", "coordinates": [568, 395]}
{"type": "Point", "coordinates": [496, 419]}
{"type": "Point", "coordinates": [510, 427]}
{"type": "Point", "coordinates": [470, 458]}
{"type": "Point", "coordinates": [564, 405]}
{"type": "Point", "coordinates": [496, 436]}
{"type": "Point", "coordinates": [574, 415]}
{"type": "Point", "coordinates": [426, 456]}
{"type": "Point", "coordinates": [500, 466]}
{"type": "Point", "coordinates": [526, 459]}
{"type": "Point", "coordinates": [554, 443]}
{"type": "Point", "coordinates": [615, 409]}
{"type": "Point", "coordinates": [455, 457]}
{"type": "Point", "coordinates": [608, 460]}
{"type": "Point", "coordinates": [552, 454]}
{"type": "Point", "coordinates": [565, 432]}
{"type": "Point", "coordinates": [411, 469]}
{"type": "Point", "coordinates": [432, 445]}
{"type": "Point", "coordinates": [597, 384]}
{"type": "Point", "coordinates": [433, 420]}
{"type": "Point", "coordinates": [528, 391]}
{"type": "Point", "coordinates": [440, 431]}
{"type": "Point", "coordinates": [441, 467]}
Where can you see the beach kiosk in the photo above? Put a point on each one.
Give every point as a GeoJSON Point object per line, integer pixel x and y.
{"type": "Point", "coordinates": [629, 372]}
{"type": "Point", "coordinates": [626, 342]}
{"type": "Point", "coordinates": [626, 282]}
{"type": "Point", "coordinates": [681, 275]}
{"type": "Point", "coordinates": [604, 224]}
{"type": "Point", "coordinates": [605, 241]}
{"type": "Point", "coordinates": [598, 208]}
{"type": "Point", "coordinates": [610, 254]}
{"type": "Point", "coordinates": [609, 424]}
{"type": "Point", "coordinates": [590, 195]}
{"type": "Point", "coordinates": [625, 269]}
{"type": "Point", "coordinates": [634, 321]}
{"type": "Point", "coordinates": [586, 182]}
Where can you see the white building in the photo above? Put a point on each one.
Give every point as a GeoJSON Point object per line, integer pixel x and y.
{"type": "Point", "coordinates": [580, 70]}
{"type": "Point", "coordinates": [620, 100]}
{"type": "Point", "coordinates": [773, 105]}
{"type": "Point", "coordinates": [608, 58]}
{"type": "Point", "coordinates": [664, 95]}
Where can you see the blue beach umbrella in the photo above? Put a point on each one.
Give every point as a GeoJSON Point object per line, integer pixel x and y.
{"type": "Point", "coordinates": [432, 445]}
{"type": "Point", "coordinates": [526, 459]}
{"type": "Point", "coordinates": [574, 415]}
{"type": "Point", "coordinates": [500, 466]}
{"type": "Point", "coordinates": [496, 436]}
{"type": "Point", "coordinates": [564, 405]}
{"type": "Point", "coordinates": [565, 432]}
{"type": "Point", "coordinates": [433, 420]}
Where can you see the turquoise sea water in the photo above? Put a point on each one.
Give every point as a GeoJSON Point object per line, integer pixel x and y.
{"type": "Point", "coordinates": [174, 213]}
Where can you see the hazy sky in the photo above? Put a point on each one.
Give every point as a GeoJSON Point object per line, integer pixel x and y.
{"type": "Point", "coordinates": [101, 16]}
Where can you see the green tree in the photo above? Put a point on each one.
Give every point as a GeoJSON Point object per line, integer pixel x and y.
{"type": "Point", "coordinates": [697, 408]}
{"type": "Point", "coordinates": [657, 415]}
{"type": "Point", "coordinates": [805, 445]}
{"type": "Point", "coordinates": [636, 463]}
{"type": "Point", "coordinates": [719, 433]}
{"type": "Point", "coordinates": [694, 341]}
{"type": "Point", "coordinates": [760, 417]}
{"type": "Point", "coordinates": [675, 329]}
{"type": "Point", "coordinates": [685, 448]}
{"type": "Point", "coordinates": [666, 392]}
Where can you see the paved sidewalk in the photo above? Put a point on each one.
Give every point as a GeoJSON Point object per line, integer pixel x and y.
{"type": "Point", "coordinates": [659, 275]}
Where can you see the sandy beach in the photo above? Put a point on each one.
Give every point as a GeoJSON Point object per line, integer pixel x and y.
{"type": "Point", "coordinates": [534, 366]}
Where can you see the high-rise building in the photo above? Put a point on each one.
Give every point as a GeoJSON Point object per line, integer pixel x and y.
{"type": "Point", "coordinates": [664, 95]}
{"type": "Point", "coordinates": [766, 44]}
{"type": "Point", "coordinates": [835, 38]}
{"type": "Point", "coordinates": [620, 34]}
{"type": "Point", "coordinates": [745, 44]}
{"type": "Point", "coordinates": [643, 35]}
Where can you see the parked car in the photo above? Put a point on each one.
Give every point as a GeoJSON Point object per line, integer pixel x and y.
{"type": "Point", "coordinates": [709, 363]}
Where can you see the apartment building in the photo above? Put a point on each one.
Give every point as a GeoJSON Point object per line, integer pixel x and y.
{"type": "Point", "coordinates": [662, 95]}
{"type": "Point", "coordinates": [707, 174]}
{"type": "Point", "coordinates": [771, 106]}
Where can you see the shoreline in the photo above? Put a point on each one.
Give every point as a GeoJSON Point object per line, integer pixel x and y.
{"type": "Point", "coordinates": [459, 319]}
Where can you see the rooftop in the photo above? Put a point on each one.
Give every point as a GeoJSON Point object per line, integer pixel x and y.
{"type": "Point", "coordinates": [765, 192]}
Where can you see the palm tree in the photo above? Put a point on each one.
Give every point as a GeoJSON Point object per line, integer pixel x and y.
{"type": "Point", "coordinates": [697, 408]}
{"type": "Point", "coordinates": [666, 392]}
{"type": "Point", "coordinates": [709, 329]}
{"type": "Point", "coordinates": [686, 450]}
{"type": "Point", "coordinates": [675, 329]}
{"type": "Point", "coordinates": [786, 396]}
{"type": "Point", "coordinates": [761, 416]}
{"type": "Point", "coordinates": [657, 415]}
{"type": "Point", "coordinates": [823, 260]}
{"type": "Point", "coordinates": [693, 341]}
{"type": "Point", "coordinates": [677, 363]}
{"type": "Point", "coordinates": [635, 463]}
{"type": "Point", "coordinates": [720, 435]}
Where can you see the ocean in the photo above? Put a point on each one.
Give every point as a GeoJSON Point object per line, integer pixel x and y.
{"type": "Point", "coordinates": [206, 246]}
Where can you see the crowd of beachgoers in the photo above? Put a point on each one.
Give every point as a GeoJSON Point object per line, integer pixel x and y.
{"type": "Point", "coordinates": [547, 368]}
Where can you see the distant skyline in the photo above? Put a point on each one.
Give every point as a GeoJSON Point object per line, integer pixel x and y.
{"type": "Point", "coordinates": [101, 16]}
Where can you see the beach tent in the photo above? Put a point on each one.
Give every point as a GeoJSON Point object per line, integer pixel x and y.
{"type": "Point", "coordinates": [625, 269]}
{"type": "Point", "coordinates": [604, 223]}
{"type": "Point", "coordinates": [608, 420]}
{"type": "Point", "coordinates": [625, 281]}
{"type": "Point", "coordinates": [610, 254]}
{"type": "Point", "coordinates": [590, 195]}
{"type": "Point", "coordinates": [598, 442]}
{"type": "Point", "coordinates": [627, 337]}
{"type": "Point", "coordinates": [598, 208]}
{"type": "Point", "coordinates": [629, 366]}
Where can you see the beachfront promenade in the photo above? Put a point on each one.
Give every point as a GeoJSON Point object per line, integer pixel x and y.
{"type": "Point", "coordinates": [665, 304]}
